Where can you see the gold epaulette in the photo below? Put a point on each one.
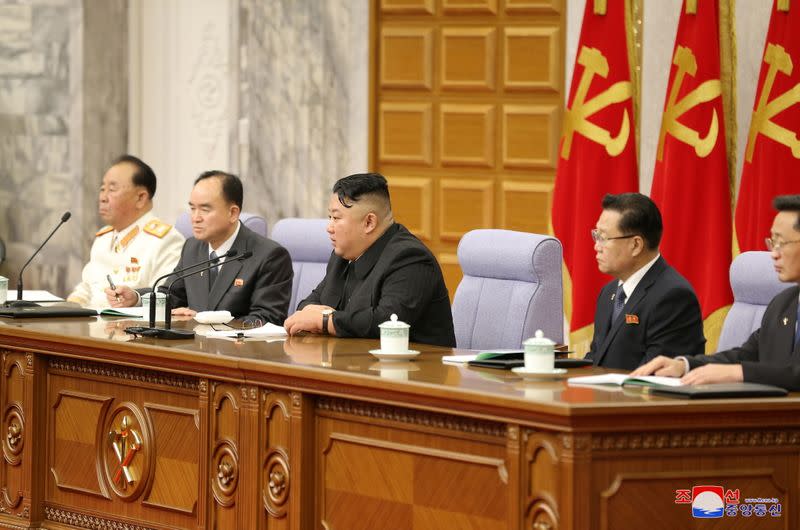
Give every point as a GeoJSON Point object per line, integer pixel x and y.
{"type": "Point", "coordinates": [104, 230]}
{"type": "Point", "coordinates": [157, 228]}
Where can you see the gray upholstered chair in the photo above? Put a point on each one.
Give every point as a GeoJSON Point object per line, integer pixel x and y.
{"type": "Point", "coordinates": [754, 283]}
{"type": "Point", "coordinates": [253, 221]}
{"type": "Point", "coordinates": [310, 248]}
{"type": "Point", "coordinates": [512, 286]}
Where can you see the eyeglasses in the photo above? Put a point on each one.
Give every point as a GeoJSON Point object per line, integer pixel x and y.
{"type": "Point", "coordinates": [598, 237]}
{"type": "Point", "coordinates": [778, 245]}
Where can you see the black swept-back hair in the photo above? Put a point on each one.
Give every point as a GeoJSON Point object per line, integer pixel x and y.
{"type": "Point", "coordinates": [352, 188]}
{"type": "Point", "coordinates": [788, 203]}
{"type": "Point", "coordinates": [143, 175]}
{"type": "Point", "coordinates": [232, 189]}
{"type": "Point", "coordinates": [640, 215]}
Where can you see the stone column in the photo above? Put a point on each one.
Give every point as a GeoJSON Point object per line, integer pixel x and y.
{"type": "Point", "coordinates": [63, 116]}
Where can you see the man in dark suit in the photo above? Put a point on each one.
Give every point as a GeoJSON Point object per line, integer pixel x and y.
{"type": "Point", "coordinates": [648, 309]}
{"type": "Point", "coordinates": [258, 287]}
{"type": "Point", "coordinates": [377, 268]}
{"type": "Point", "coordinates": [771, 355]}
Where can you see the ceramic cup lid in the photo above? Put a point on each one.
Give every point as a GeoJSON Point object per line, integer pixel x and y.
{"type": "Point", "coordinates": [393, 323]}
{"type": "Point", "coordinates": [539, 340]}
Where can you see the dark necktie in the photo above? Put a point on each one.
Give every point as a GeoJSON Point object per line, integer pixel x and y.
{"type": "Point", "coordinates": [619, 303]}
{"type": "Point", "coordinates": [212, 273]}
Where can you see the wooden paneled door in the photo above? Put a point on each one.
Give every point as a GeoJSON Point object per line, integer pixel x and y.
{"type": "Point", "coordinates": [465, 114]}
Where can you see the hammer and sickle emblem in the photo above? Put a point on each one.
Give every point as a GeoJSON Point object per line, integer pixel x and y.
{"type": "Point", "coordinates": [576, 118]}
{"type": "Point", "coordinates": [687, 64]}
{"type": "Point", "coordinates": [778, 61]}
{"type": "Point", "coordinates": [125, 441]}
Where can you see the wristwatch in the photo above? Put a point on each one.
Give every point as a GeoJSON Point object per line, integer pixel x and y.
{"type": "Point", "coordinates": [326, 313]}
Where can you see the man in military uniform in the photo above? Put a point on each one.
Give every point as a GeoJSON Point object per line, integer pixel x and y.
{"type": "Point", "coordinates": [135, 247]}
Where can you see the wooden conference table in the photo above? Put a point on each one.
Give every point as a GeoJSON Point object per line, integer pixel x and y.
{"type": "Point", "coordinates": [104, 432]}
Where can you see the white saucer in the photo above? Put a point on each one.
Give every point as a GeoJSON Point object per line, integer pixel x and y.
{"type": "Point", "coordinates": [405, 356]}
{"type": "Point", "coordinates": [534, 374]}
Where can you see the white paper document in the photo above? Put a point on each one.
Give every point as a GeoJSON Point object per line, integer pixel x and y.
{"type": "Point", "coordinates": [624, 379]}
{"type": "Point", "coordinates": [266, 331]}
{"type": "Point", "coordinates": [34, 296]}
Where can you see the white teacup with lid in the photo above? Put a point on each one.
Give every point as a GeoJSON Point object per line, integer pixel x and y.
{"type": "Point", "coordinates": [394, 336]}
{"type": "Point", "coordinates": [539, 353]}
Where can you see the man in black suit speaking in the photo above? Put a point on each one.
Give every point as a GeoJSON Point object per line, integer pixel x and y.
{"type": "Point", "coordinates": [377, 268]}
{"type": "Point", "coordinates": [649, 308]}
{"type": "Point", "coordinates": [771, 355]}
{"type": "Point", "coordinates": [256, 288]}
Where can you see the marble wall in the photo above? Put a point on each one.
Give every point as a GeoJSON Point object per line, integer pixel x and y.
{"type": "Point", "coordinates": [57, 124]}
{"type": "Point", "coordinates": [304, 101]}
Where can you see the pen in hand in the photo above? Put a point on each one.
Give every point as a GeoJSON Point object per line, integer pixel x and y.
{"type": "Point", "coordinates": [113, 287]}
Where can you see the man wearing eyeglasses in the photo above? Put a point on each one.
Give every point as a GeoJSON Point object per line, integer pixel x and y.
{"type": "Point", "coordinates": [771, 355]}
{"type": "Point", "coordinates": [649, 309]}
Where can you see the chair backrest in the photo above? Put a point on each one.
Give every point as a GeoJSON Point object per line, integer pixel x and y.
{"type": "Point", "coordinates": [754, 283]}
{"type": "Point", "coordinates": [512, 286]}
{"type": "Point", "coordinates": [253, 221]}
{"type": "Point", "coordinates": [310, 249]}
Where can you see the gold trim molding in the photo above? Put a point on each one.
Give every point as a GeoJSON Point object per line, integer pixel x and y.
{"type": "Point", "coordinates": [139, 375]}
{"type": "Point", "coordinates": [415, 417]}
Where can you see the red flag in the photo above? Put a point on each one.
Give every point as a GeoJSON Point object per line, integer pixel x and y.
{"type": "Point", "coordinates": [597, 153]}
{"type": "Point", "coordinates": [772, 158]}
{"type": "Point", "coordinates": [691, 182]}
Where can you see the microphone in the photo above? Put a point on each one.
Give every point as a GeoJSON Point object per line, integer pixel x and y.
{"type": "Point", "coordinates": [20, 302]}
{"type": "Point", "coordinates": [168, 309]}
{"type": "Point", "coordinates": [197, 266]}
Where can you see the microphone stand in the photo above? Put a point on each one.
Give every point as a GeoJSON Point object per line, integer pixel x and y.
{"type": "Point", "coordinates": [177, 334]}
{"type": "Point", "coordinates": [19, 302]}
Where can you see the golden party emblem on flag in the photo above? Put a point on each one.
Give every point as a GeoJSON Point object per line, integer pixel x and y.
{"type": "Point", "coordinates": [685, 60]}
{"type": "Point", "coordinates": [778, 61]}
{"type": "Point", "coordinates": [576, 118]}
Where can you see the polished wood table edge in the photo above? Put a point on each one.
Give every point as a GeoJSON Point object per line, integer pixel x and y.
{"type": "Point", "coordinates": [197, 364]}
{"type": "Point", "coordinates": [420, 395]}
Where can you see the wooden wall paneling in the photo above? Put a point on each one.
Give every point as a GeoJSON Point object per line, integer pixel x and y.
{"type": "Point", "coordinates": [406, 58]}
{"type": "Point", "coordinates": [276, 475]}
{"type": "Point", "coordinates": [628, 474]}
{"type": "Point", "coordinates": [466, 204]}
{"type": "Point", "coordinates": [491, 112]}
{"type": "Point", "coordinates": [412, 199]}
{"type": "Point", "coordinates": [138, 430]}
{"type": "Point", "coordinates": [524, 205]}
{"type": "Point", "coordinates": [407, 6]}
{"type": "Point", "coordinates": [458, 7]}
{"type": "Point", "coordinates": [179, 444]}
{"type": "Point", "coordinates": [466, 134]}
{"type": "Point", "coordinates": [468, 58]}
{"type": "Point", "coordinates": [75, 450]}
{"type": "Point", "coordinates": [21, 489]}
{"type": "Point", "coordinates": [384, 475]}
{"type": "Point", "coordinates": [228, 506]}
{"type": "Point", "coordinates": [532, 59]}
{"type": "Point", "coordinates": [534, 6]}
{"type": "Point", "coordinates": [451, 271]}
{"type": "Point", "coordinates": [523, 123]}
{"type": "Point", "coordinates": [301, 448]}
{"type": "Point", "coordinates": [514, 466]}
{"type": "Point", "coordinates": [542, 477]}
{"type": "Point", "coordinates": [406, 133]}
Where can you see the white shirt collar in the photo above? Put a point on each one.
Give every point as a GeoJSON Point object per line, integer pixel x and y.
{"type": "Point", "coordinates": [630, 284]}
{"type": "Point", "coordinates": [227, 244]}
